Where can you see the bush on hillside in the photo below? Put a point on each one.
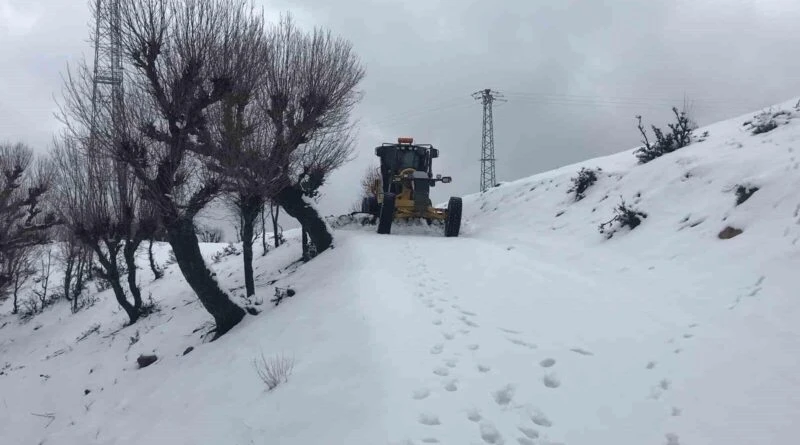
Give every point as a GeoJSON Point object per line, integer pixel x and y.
{"type": "Point", "coordinates": [680, 136]}
{"type": "Point", "coordinates": [209, 234]}
{"type": "Point", "coordinates": [585, 179]}
{"type": "Point", "coordinates": [767, 121]}
{"type": "Point", "coordinates": [273, 371]}
{"type": "Point", "coordinates": [625, 216]}
{"type": "Point", "coordinates": [229, 250]}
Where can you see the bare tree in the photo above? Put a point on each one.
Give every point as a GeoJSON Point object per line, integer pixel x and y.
{"type": "Point", "coordinates": [43, 279]}
{"type": "Point", "coordinates": [308, 95]}
{"type": "Point", "coordinates": [329, 150]}
{"type": "Point", "coordinates": [370, 183]}
{"type": "Point", "coordinates": [99, 211]}
{"type": "Point", "coordinates": [17, 266]}
{"type": "Point", "coordinates": [185, 55]}
{"type": "Point", "coordinates": [24, 223]}
{"type": "Point", "coordinates": [76, 259]}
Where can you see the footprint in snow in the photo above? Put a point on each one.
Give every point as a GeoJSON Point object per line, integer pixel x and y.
{"type": "Point", "coordinates": [519, 342]}
{"type": "Point", "coordinates": [429, 419]}
{"type": "Point", "coordinates": [451, 363]}
{"type": "Point", "coordinates": [448, 335]}
{"type": "Point", "coordinates": [441, 371]}
{"type": "Point", "coordinates": [420, 393]}
{"type": "Point", "coordinates": [437, 322]}
{"type": "Point", "coordinates": [504, 395]}
{"type": "Point", "coordinates": [651, 365]}
{"type": "Point", "coordinates": [437, 349]}
{"type": "Point", "coordinates": [473, 347]}
{"type": "Point", "coordinates": [474, 416]}
{"type": "Point", "coordinates": [469, 322]}
{"type": "Point", "coordinates": [672, 439]}
{"type": "Point", "coordinates": [430, 440]}
{"type": "Point", "coordinates": [468, 313]}
{"type": "Point", "coordinates": [510, 331]}
{"type": "Point", "coordinates": [540, 419]}
{"type": "Point", "coordinates": [581, 351]}
{"type": "Point", "coordinates": [490, 434]}
{"type": "Point", "coordinates": [546, 363]}
{"type": "Point", "coordinates": [676, 411]}
{"type": "Point", "coordinates": [525, 441]}
{"type": "Point", "coordinates": [551, 380]}
{"type": "Point", "coordinates": [484, 368]}
{"type": "Point", "coordinates": [451, 386]}
{"type": "Point", "coordinates": [439, 310]}
{"type": "Point", "coordinates": [529, 432]}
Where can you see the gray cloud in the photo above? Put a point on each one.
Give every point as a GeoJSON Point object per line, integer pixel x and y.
{"type": "Point", "coordinates": [575, 73]}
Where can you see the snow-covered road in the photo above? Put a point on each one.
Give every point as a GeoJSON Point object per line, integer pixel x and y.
{"type": "Point", "coordinates": [494, 343]}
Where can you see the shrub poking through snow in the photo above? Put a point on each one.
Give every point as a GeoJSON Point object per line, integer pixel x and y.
{"type": "Point", "coordinates": [767, 121]}
{"type": "Point", "coordinates": [275, 370]}
{"type": "Point", "coordinates": [281, 293]}
{"type": "Point", "coordinates": [744, 193]}
{"type": "Point", "coordinates": [624, 217]}
{"type": "Point", "coordinates": [229, 250]}
{"type": "Point", "coordinates": [680, 136]}
{"type": "Point", "coordinates": [585, 179]}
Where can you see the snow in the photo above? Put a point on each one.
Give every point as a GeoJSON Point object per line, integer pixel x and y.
{"type": "Point", "coordinates": [529, 328]}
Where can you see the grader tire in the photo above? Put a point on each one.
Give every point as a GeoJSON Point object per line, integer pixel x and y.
{"type": "Point", "coordinates": [452, 224]}
{"type": "Point", "coordinates": [386, 214]}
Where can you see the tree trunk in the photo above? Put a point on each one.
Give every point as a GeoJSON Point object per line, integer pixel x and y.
{"type": "Point", "coordinates": [304, 243]}
{"type": "Point", "coordinates": [119, 294]}
{"type": "Point", "coordinates": [291, 199]}
{"type": "Point", "coordinates": [185, 246]}
{"type": "Point", "coordinates": [78, 289]}
{"type": "Point", "coordinates": [275, 211]}
{"type": "Point", "coordinates": [156, 271]}
{"type": "Point", "coordinates": [111, 274]}
{"type": "Point", "coordinates": [17, 286]}
{"type": "Point", "coordinates": [69, 267]}
{"type": "Point", "coordinates": [263, 229]}
{"type": "Point", "coordinates": [248, 207]}
{"type": "Point", "coordinates": [129, 253]}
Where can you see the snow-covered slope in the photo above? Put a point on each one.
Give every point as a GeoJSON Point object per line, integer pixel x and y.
{"type": "Point", "coordinates": [530, 328]}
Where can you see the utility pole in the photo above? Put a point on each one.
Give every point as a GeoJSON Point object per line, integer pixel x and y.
{"type": "Point", "coordinates": [487, 97]}
{"type": "Point", "coordinates": [108, 94]}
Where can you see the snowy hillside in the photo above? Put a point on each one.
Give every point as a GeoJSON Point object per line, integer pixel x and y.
{"type": "Point", "coordinates": [531, 328]}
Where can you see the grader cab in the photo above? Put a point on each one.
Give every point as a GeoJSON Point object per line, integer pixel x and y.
{"type": "Point", "coordinates": [403, 190]}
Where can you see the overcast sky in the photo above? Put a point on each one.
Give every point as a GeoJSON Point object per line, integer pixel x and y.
{"type": "Point", "coordinates": [575, 73]}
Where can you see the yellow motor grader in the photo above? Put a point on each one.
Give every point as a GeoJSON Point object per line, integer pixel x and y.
{"type": "Point", "coordinates": [402, 192]}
